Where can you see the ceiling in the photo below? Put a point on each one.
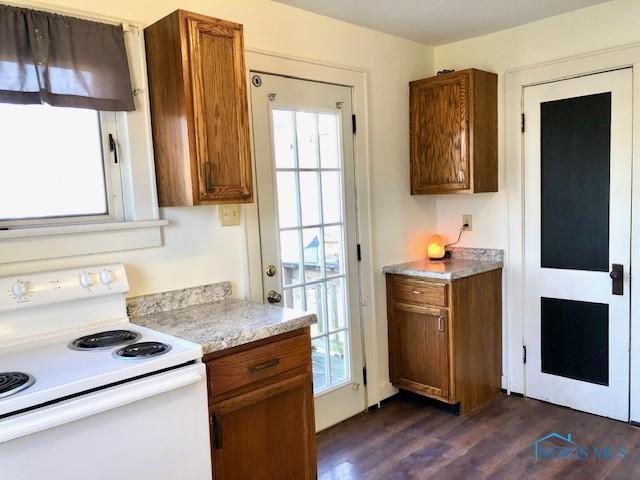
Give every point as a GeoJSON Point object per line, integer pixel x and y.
{"type": "Point", "coordinates": [436, 22]}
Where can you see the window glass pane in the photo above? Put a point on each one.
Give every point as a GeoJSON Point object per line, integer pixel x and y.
{"type": "Point", "coordinates": [290, 257]}
{"type": "Point", "coordinates": [283, 138]}
{"type": "Point", "coordinates": [309, 198]}
{"type": "Point", "coordinates": [307, 133]}
{"type": "Point", "coordinates": [315, 304]}
{"type": "Point", "coordinates": [331, 197]}
{"type": "Point", "coordinates": [338, 357]}
{"type": "Point", "coordinates": [335, 304]}
{"type": "Point", "coordinates": [52, 163]}
{"type": "Point", "coordinates": [333, 250]}
{"type": "Point", "coordinates": [575, 140]}
{"type": "Point", "coordinates": [319, 360]}
{"type": "Point", "coordinates": [287, 203]}
{"type": "Point", "coordinates": [312, 245]}
{"type": "Point", "coordinates": [328, 134]}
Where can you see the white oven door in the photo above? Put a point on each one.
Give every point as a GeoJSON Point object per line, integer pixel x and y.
{"type": "Point", "coordinates": [153, 428]}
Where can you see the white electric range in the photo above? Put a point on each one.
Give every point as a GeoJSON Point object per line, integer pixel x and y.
{"type": "Point", "coordinates": [84, 390]}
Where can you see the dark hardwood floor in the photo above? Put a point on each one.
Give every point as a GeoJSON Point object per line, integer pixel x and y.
{"type": "Point", "coordinates": [410, 439]}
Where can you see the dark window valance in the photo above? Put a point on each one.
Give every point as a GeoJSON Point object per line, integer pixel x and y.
{"type": "Point", "coordinates": [62, 61]}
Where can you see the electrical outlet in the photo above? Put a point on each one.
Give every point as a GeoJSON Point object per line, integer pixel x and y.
{"type": "Point", "coordinates": [466, 220]}
{"type": "Point", "coordinates": [229, 215]}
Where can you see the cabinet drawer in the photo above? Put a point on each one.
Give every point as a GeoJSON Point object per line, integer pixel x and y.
{"type": "Point", "coordinates": [423, 293]}
{"type": "Point", "coordinates": [237, 370]}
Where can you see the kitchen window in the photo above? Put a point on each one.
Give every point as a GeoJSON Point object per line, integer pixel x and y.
{"type": "Point", "coordinates": [59, 166]}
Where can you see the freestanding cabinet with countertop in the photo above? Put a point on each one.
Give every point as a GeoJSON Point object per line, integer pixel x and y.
{"type": "Point", "coordinates": [199, 112]}
{"type": "Point", "coordinates": [454, 133]}
{"type": "Point", "coordinates": [260, 392]}
{"type": "Point", "coordinates": [445, 329]}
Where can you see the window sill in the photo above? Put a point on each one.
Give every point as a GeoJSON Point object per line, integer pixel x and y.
{"type": "Point", "coordinates": [25, 244]}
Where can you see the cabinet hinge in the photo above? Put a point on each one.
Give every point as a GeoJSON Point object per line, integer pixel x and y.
{"type": "Point", "coordinates": [524, 354]}
{"type": "Point", "coordinates": [358, 252]}
{"type": "Point", "coordinates": [364, 375]}
{"type": "Point", "coordinates": [353, 122]}
{"type": "Point", "coordinates": [522, 122]}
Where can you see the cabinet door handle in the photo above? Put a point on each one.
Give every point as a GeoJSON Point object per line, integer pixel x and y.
{"type": "Point", "coordinates": [264, 365]}
{"type": "Point", "coordinates": [207, 176]}
{"type": "Point", "coordinates": [441, 323]}
{"type": "Point", "coordinates": [215, 424]}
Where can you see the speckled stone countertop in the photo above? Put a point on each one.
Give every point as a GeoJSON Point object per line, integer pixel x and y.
{"type": "Point", "coordinates": [464, 262]}
{"type": "Point", "coordinates": [215, 324]}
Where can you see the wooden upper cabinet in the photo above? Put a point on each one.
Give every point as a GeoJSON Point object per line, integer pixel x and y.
{"type": "Point", "coordinates": [454, 133]}
{"type": "Point", "coordinates": [199, 110]}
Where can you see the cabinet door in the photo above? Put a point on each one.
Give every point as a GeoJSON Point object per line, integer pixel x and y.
{"type": "Point", "coordinates": [265, 434]}
{"type": "Point", "coordinates": [220, 117]}
{"type": "Point", "coordinates": [440, 134]}
{"type": "Point", "coordinates": [420, 350]}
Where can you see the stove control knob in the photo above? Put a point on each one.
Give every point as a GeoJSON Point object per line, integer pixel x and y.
{"type": "Point", "coordinates": [20, 289]}
{"type": "Point", "coordinates": [106, 277]}
{"type": "Point", "coordinates": [86, 280]}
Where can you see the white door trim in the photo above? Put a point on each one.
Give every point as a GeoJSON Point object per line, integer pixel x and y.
{"type": "Point", "coordinates": [515, 81]}
{"type": "Point", "coordinates": [306, 69]}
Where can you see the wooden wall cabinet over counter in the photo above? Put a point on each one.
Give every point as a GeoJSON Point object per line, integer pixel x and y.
{"type": "Point", "coordinates": [445, 337]}
{"type": "Point", "coordinates": [261, 409]}
{"type": "Point", "coordinates": [454, 133]}
{"type": "Point", "coordinates": [199, 110]}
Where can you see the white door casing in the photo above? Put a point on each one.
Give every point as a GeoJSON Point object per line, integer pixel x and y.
{"type": "Point", "coordinates": [299, 196]}
{"type": "Point", "coordinates": [610, 400]}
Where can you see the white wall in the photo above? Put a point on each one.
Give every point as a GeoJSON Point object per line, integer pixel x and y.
{"type": "Point", "coordinates": [196, 249]}
{"type": "Point", "coordinates": [595, 28]}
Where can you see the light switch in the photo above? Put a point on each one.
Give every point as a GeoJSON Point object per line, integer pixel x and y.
{"type": "Point", "coordinates": [466, 220]}
{"type": "Point", "coordinates": [229, 215]}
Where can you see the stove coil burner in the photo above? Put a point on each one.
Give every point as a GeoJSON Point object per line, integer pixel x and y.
{"type": "Point", "coordinates": [142, 350]}
{"type": "Point", "coordinates": [13, 382]}
{"type": "Point", "coordinates": [104, 340]}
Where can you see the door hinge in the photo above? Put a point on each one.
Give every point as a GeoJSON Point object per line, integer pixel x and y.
{"type": "Point", "coordinates": [353, 123]}
{"type": "Point", "coordinates": [358, 252]}
{"type": "Point", "coordinates": [522, 122]}
{"type": "Point", "coordinates": [364, 375]}
{"type": "Point", "coordinates": [524, 354]}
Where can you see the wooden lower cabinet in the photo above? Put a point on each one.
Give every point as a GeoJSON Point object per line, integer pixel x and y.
{"type": "Point", "coordinates": [446, 345]}
{"type": "Point", "coordinates": [261, 410]}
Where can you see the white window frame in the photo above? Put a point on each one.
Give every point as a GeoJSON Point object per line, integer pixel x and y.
{"type": "Point", "coordinates": [112, 183]}
{"type": "Point", "coordinates": [135, 222]}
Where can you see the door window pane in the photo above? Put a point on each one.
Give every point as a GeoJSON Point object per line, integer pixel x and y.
{"type": "Point", "coordinates": [333, 250]}
{"type": "Point", "coordinates": [283, 138]}
{"type": "Point", "coordinates": [293, 298]}
{"type": "Point", "coordinates": [287, 201]}
{"type": "Point", "coordinates": [331, 197]}
{"type": "Point", "coordinates": [307, 133]}
{"type": "Point", "coordinates": [290, 257]}
{"type": "Point", "coordinates": [310, 198]}
{"type": "Point", "coordinates": [575, 140]}
{"type": "Point", "coordinates": [319, 360]}
{"type": "Point", "coordinates": [336, 304]}
{"type": "Point", "coordinates": [338, 356]}
{"type": "Point", "coordinates": [312, 251]}
{"type": "Point", "coordinates": [329, 140]}
{"type": "Point", "coordinates": [315, 304]}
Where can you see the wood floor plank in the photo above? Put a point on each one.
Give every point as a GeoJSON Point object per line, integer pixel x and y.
{"type": "Point", "coordinates": [411, 439]}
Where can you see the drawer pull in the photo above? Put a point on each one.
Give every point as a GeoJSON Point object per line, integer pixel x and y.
{"type": "Point", "coordinates": [417, 292]}
{"type": "Point", "coordinates": [264, 365]}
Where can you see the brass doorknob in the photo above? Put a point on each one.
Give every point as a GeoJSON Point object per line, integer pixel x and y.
{"type": "Point", "coordinates": [270, 270]}
{"type": "Point", "coordinates": [274, 297]}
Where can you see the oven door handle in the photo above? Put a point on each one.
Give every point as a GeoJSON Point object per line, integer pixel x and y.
{"type": "Point", "coordinates": [98, 402]}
